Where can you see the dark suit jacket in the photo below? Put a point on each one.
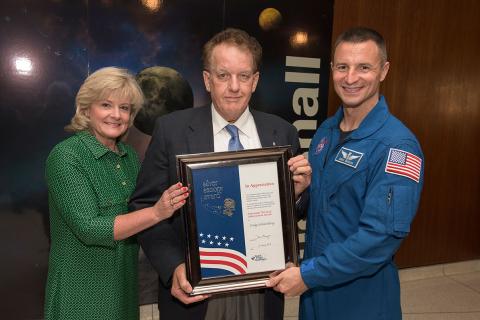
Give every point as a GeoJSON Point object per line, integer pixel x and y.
{"type": "Point", "coordinates": [183, 132]}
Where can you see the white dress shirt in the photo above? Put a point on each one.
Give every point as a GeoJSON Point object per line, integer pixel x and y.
{"type": "Point", "coordinates": [247, 131]}
{"type": "Point", "coordinates": [236, 305]}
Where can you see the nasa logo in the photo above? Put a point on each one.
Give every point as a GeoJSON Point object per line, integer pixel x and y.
{"type": "Point", "coordinates": [323, 142]}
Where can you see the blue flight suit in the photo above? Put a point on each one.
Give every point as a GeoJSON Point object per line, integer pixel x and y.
{"type": "Point", "coordinates": [363, 197]}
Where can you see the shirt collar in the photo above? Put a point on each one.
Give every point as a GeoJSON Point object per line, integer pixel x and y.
{"type": "Point", "coordinates": [242, 122]}
{"type": "Point", "coordinates": [96, 148]}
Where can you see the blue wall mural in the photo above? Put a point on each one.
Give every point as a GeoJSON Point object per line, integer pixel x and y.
{"type": "Point", "coordinates": [47, 48]}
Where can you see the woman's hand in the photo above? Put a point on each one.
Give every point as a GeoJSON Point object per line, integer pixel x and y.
{"type": "Point", "coordinates": [128, 224]}
{"type": "Point", "coordinates": [171, 200]}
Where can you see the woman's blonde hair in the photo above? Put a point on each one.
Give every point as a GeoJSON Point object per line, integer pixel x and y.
{"type": "Point", "coordinates": [99, 86]}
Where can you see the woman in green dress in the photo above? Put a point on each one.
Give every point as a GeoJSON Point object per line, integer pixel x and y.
{"type": "Point", "coordinates": [92, 270]}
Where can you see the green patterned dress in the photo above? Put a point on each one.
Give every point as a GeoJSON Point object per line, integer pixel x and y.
{"type": "Point", "coordinates": [90, 275]}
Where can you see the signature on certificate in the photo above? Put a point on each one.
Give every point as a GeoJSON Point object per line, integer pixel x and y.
{"type": "Point", "coordinates": [258, 237]}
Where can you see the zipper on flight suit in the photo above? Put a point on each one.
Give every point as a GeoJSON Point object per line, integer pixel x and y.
{"type": "Point", "coordinates": [331, 151]}
{"type": "Point", "coordinates": [333, 148]}
{"type": "Point", "coordinates": [389, 200]}
{"type": "Point", "coordinates": [389, 196]}
{"type": "Point", "coordinates": [329, 148]}
{"type": "Point", "coordinates": [389, 214]}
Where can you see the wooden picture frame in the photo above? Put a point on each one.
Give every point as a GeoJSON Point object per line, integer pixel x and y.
{"type": "Point", "coordinates": [239, 219]}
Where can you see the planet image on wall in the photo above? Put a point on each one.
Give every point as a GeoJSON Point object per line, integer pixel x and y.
{"type": "Point", "coordinates": [269, 19]}
{"type": "Point", "coordinates": [165, 90]}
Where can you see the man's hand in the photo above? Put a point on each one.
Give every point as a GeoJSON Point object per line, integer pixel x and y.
{"type": "Point", "coordinates": [181, 287]}
{"type": "Point", "coordinates": [289, 282]}
{"type": "Point", "coordinates": [302, 173]}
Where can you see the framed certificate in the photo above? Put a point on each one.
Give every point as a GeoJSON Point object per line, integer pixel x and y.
{"type": "Point", "coordinates": [239, 219]}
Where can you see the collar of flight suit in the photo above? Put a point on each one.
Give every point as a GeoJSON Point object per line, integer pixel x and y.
{"type": "Point", "coordinates": [374, 120]}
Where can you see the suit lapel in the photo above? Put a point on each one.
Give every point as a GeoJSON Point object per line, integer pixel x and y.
{"type": "Point", "coordinates": [200, 134]}
{"type": "Point", "coordinates": [267, 134]}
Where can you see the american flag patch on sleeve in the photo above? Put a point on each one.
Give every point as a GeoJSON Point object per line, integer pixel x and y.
{"type": "Point", "coordinates": [404, 163]}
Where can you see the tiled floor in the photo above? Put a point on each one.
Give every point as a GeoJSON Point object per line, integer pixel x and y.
{"type": "Point", "coordinates": [440, 292]}
{"type": "Point", "coordinates": [448, 292]}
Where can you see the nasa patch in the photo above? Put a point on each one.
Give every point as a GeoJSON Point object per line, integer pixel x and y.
{"type": "Point", "coordinates": [323, 142]}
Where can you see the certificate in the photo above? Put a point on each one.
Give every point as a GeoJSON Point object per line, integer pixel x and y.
{"type": "Point", "coordinates": [239, 218]}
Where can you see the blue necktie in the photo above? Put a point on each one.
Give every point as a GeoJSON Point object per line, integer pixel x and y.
{"type": "Point", "coordinates": [234, 144]}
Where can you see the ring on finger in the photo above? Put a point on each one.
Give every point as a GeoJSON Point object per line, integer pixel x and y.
{"type": "Point", "coordinates": [171, 202]}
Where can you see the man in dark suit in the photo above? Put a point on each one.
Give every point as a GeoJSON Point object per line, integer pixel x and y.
{"type": "Point", "coordinates": [231, 59]}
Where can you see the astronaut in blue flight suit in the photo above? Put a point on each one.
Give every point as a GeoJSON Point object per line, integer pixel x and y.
{"type": "Point", "coordinates": [365, 189]}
